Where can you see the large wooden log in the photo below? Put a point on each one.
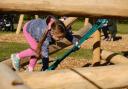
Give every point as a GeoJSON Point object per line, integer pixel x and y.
{"type": "Point", "coordinates": [9, 79]}
{"type": "Point", "coordinates": [106, 77]}
{"type": "Point", "coordinates": [67, 7]}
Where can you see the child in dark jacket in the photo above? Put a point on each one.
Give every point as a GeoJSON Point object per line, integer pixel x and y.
{"type": "Point", "coordinates": [39, 33]}
{"type": "Point", "coordinates": [110, 28]}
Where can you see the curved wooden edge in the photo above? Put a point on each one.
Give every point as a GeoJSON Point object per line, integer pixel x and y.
{"type": "Point", "coordinates": [9, 79]}
{"type": "Point", "coordinates": [105, 77]}
{"type": "Point", "coordinates": [97, 8]}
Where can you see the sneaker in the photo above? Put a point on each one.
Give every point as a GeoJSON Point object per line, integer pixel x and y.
{"type": "Point", "coordinates": [15, 62]}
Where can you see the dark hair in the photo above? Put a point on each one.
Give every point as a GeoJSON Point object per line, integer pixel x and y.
{"type": "Point", "coordinates": [48, 18]}
{"type": "Point", "coordinates": [59, 25]}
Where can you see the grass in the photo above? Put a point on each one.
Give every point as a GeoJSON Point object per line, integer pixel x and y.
{"type": "Point", "coordinates": [12, 47]}
{"type": "Point", "coordinates": [122, 28]}
{"type": "Point", "coordinates": [4, 32]}
{"type": "Point", "coordinates": [7, 48]}
{"type": "Point", "coordinates": [80, 54]}
{"type": "Point", "coordinates": [77, 25]}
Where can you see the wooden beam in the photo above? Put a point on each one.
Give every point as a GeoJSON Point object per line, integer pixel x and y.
{"type": "Point", "coordinates": [68, 7]}
{"type": "Point", "coordinates": [9, 79]}
{"type": "Point", "coordinates": [105, 77]}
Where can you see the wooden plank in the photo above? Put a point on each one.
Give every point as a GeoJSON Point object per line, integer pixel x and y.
{"type": "Point", "coordinates": [105, 77]}
{"type": "Point", "coordinates": [67, 7]}
{"type": "Point", "coordinates": [9, 79]}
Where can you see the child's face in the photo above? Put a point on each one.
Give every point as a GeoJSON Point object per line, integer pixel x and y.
{"type": "Point", "coordinates": [57, 35]}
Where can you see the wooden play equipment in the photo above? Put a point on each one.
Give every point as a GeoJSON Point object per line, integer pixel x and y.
{"type": "Point", "coordinates": [112, 77]}
{"type": "Point", "coordinates": [68, 7]}
{"type": "Point", "coordinates": [106, 77]}
{"type": "Point", "coordinates": [9, 79]}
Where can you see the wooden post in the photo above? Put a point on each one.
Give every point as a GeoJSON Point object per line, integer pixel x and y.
{"type": "Point", "coordinates": [19, 27]}
{"type": "Point", "coordinates": [9, 79]}
{"type": "Point", "coordinates": [96, 48]}
{"type": "Point", "coordinates": [36, 16]}
{"type": "Point", "coordinates": [86, 21]}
